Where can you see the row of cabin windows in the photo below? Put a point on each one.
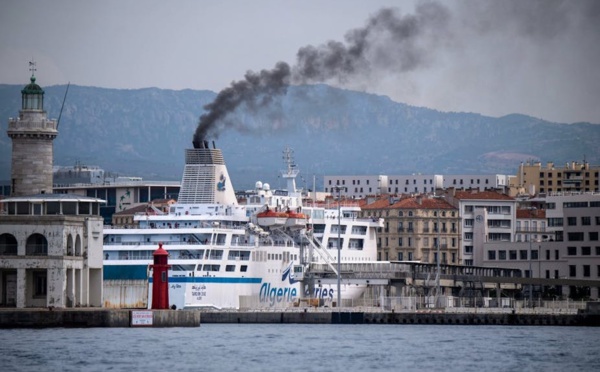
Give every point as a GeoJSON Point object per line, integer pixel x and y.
{"type": "Point", "coordinates": [217, 268]}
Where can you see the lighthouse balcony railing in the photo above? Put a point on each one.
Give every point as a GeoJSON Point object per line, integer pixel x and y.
{"type": "Point", "coordinates": [16, 124]}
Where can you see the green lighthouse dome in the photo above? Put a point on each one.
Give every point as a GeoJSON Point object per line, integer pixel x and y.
{"type": "Point", "coordinates": [33, 96]}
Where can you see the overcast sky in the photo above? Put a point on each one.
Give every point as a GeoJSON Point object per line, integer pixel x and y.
{"type": "Point", "coordinates": [539, 58]}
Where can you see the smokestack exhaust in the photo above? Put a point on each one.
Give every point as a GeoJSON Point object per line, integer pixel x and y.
{"type": "Point", "coordinates": [388, 42]}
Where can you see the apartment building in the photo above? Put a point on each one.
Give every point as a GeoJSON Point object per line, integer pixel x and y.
{"type": "Point", "coordinates": [486, 216]}
{"type": "Point", "coordinates": [566, 246]}
{"type": "Point", "coordinates": [356, 187]}
{"type": "Point", "coordinates": [359, 187]}
{"type": "Point", "coordinates": [533, 178]}
{"type": "Point", "coordinates": [479, 181]}
{"type": "Point", "coordinates": [414, 227]}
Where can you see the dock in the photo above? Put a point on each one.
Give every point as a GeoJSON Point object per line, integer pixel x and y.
{"type": "Point", "coordinates": [465, 316]}
{"type": "Point", "coordinates": [87, 318]}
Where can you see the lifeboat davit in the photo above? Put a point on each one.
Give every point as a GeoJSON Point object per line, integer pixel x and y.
{"type": "Point", "coordinates": [296, 220]}
{"type": "Point", "coordinates": [272, 218]}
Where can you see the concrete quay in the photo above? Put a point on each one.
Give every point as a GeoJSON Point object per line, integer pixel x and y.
{"type": "Point", "coordinates": [400, 318]}
{"type": "Point", "coordinates": [87, 318]}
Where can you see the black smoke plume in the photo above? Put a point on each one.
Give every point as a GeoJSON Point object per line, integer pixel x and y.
{"type": "Point", "coordinates": [389, 42]}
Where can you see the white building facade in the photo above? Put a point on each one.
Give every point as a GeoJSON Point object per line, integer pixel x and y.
{"type": "Point", "coordinates": [368, 185]}
{"type": "Point", "coordinates": [486, 216]}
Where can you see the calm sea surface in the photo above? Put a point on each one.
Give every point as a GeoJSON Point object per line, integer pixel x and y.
{"type": "Point", "coordinates": [277, 347]}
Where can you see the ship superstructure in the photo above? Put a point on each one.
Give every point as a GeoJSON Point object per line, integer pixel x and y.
{"type": "Point", "coordinates": [226, 254]}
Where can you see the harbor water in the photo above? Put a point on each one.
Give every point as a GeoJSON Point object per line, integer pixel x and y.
{"type": "Point", "coordinates": [301, 347]}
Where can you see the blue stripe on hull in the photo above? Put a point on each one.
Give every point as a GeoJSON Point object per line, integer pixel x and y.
{"type": "Point", "coordinates": [125, 272]}
{"type": "Point", "coordinates": [212, 279]}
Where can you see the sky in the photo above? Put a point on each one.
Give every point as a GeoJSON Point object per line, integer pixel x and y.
{"type": "Point", "coordinates": [535, 57]}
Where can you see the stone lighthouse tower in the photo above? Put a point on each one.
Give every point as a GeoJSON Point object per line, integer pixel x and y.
{"type": "Point", "coordinates": [32, 147]}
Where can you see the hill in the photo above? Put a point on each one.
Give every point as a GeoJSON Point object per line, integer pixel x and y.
{"type": "Point", "coordinates": [143, 132]}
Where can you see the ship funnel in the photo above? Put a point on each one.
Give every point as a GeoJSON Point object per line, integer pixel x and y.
{"type": "Point", "coordinates": [202, 144]}
{"type": "Point", "coordinates": [205, 177]}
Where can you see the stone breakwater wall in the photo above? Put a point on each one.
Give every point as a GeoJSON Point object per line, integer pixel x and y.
{"type": "Point", "coordinates": [25, 318]}
{"type": "Point", "coordinates": [400, 318]}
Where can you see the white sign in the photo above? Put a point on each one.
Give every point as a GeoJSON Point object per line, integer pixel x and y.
{"type": "Point", "coordinates": [141, 318]}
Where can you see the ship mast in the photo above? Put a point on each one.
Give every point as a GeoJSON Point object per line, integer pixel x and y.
{"type": "Point", "coordinates": [291, 171]}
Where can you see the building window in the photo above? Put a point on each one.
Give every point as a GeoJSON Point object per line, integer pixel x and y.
{"type": "Point", "coordinates": [534, 254]}
{"type": "Point", "coordinates": [586, 221]}
{"type": "Point", "coordinates": [572, 271]}
{"type": "Point", "coordinates": [512, 255]}
{"type": "Point", "coordinates": [586, 271]}
{"type": "Point", "coordinates": [400, 256]}
{"type": "Point", "coordinates": [575, 236]}
{"type": "Point", "coordinates": [572, 251]}
{"type": "Point", "coordinates": [491, 255]}
{"type": "Point", "coordinates": [468, 249]}
{"type": "Point", "coordinates": [586, 251]}
{"type": "Point", "coordinates": [523, 254]}
{"type": "Point", "coordinates": [410, 256]}
{"type": "Point", "coordinates": [593, 236]}
{"type": "Point", "coordinates": [36, 245]}
{"type": "Point", "coordinates": [40, 283]}
{"type": "Point", "coordinates": [502, 255]}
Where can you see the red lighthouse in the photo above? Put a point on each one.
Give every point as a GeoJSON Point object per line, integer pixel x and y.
{"type": "Point", "coordinates": [160, 279]}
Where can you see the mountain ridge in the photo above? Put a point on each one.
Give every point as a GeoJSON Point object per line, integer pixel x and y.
{"type": "Point", "coordinates": [333, 131]}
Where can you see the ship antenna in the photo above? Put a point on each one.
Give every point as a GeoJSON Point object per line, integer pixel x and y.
{"type": "Point", "coordinates": [291, 171]}
{"type": "Point", "coordinates": [63, 105]}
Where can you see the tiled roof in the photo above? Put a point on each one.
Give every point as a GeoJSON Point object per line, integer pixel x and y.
{"type": "Point", "coordinates": [481, 195]}
{"type": "Point", "coordinates": [410, 203]}
{"type": "Point", "coordinates": [531, 214]}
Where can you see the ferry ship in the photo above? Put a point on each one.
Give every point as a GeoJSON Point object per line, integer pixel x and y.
{"type": "Point", "coordinates": [225, 254]}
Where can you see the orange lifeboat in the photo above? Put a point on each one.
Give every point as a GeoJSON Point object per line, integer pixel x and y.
{"type": "Point", "coordinates": [271, 218]}
{"type": "Point", "coordinates": [296, 220]}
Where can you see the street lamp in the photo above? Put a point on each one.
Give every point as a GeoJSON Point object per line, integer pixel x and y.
{"type": "Point", "coordinates": [339, 251]}
{"type": "Point", "coordinates": [437, 246]}
{"type": "Point", "coordinates": [437, 278]}
{"type": "Point", "coordinates": [530, 274]}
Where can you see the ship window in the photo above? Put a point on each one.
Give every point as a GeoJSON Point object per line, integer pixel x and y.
{"type": "Point", "coordinates": [230, 268]}
{"type": "Point", "coordinates": [211, 268]}
{"type": "Point", "coordinates": [215, 254]}
{"type": "Point", "coordinates": [243, 268]}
